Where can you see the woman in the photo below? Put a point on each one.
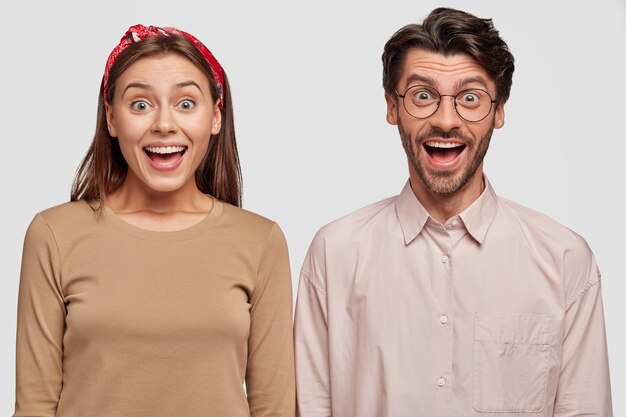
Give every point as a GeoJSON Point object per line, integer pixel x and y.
{"type": "Point", "coordinates": [152, 293]}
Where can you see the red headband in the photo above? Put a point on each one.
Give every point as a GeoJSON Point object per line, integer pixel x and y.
{"type": "Point", "coordinates": [137, 33]}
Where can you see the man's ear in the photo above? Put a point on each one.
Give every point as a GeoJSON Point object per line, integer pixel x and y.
{"type": "Point", "coordinates": [499, 119]}
{"type": "Point", "coordinates": [392, 109]}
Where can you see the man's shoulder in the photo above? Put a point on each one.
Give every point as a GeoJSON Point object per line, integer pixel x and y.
{"type": "Point", "coordinates": [541, 227]}
{"type": "Point", "coordinates": [555, 244]}
{"type": "Point", "coordinates": [364, 217]}
{"type": "Point", "coordinates": [342, 237]}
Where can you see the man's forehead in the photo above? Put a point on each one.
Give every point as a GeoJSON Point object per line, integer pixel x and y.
{"type": "Point", "coordinates": [435, 68]}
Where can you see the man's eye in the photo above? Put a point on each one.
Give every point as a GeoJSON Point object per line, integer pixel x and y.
{"type": "Point", "coordinates": [469, 97]}
{"type": "Point", "coordinates": [139, 105]}
{"type": "Point", "coordinates": [187, 104]}
{"type": "Point", "coordinates": [422, 95]}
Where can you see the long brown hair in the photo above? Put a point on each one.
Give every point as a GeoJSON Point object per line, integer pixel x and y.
{"type": "Point", "coordinates": [103, 169]}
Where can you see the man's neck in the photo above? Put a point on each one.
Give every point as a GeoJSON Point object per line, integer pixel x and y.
{"type": "Point", "coordinates": [443, 207]}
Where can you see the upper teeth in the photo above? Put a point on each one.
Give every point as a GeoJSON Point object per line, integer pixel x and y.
{"type": "Point", "coordinates": [165, 149]}
{"type": "Point", "coordinates": [434, 144]}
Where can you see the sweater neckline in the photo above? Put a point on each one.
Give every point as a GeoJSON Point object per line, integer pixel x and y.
{"type": "Point", "coordinates": [183, 234]}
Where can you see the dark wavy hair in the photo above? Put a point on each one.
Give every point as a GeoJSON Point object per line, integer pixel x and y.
{"type": "Point", "coordinates": [103, 169]}
{"type": "Point", "coordinates": [448, 32]}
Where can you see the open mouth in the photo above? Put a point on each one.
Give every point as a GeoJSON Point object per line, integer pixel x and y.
{"type": "Point", "coordinates": [165, 155]}
{"type": "Point", "coordinates": [443, 152]}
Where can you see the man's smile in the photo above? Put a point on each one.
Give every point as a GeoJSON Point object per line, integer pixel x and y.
{"type": "Point", "coordinates": [443, 153]}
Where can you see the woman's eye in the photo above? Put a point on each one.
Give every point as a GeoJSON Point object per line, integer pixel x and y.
{"type": "Point", "coordinates": [139, 105]}
{"type": "Point", "coordinates": [187, 104]}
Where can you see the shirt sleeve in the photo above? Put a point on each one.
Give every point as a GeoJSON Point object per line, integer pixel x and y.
{"type": "Point", "coordinates": [40, 325]}
{"type": "Point", "coordinates": [584, 385]}
{"type": "Point", "coordinates": [270, 379]}
{"type": "Point", "coordinates": [311, 340]}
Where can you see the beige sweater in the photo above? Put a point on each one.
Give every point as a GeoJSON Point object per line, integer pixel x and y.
{"type": "Point", "coordinates": [117, 321]}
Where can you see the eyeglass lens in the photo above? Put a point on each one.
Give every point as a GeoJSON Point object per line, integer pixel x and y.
{"type": "Point", "coordinates": [423, 101]}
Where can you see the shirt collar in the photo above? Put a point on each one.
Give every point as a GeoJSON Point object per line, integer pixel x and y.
{"type": "Point", "coordinates": [480, 214]}
{"type": "Point", "coordinates": [411, 214]}
{"type": "Point", "coordinates": [477, 217]}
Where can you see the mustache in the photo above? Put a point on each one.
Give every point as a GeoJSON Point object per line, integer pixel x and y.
{"type": "Point", "coordinates": [435, 132]}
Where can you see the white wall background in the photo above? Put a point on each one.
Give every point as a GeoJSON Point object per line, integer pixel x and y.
{"type": "Point", "coordinates": [310, 117]}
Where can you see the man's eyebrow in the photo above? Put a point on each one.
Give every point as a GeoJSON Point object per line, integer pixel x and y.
{"type": "Point", "coordinates": [416, 79]}
{"type": "Point", "coordinates": [471, 80]}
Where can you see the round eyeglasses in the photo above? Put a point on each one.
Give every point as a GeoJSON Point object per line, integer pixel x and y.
{"type": "Point", "coordinates": [421, 102]}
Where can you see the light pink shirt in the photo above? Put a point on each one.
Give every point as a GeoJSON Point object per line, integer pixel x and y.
{"type": "Point", "coordinates": [497, 312]}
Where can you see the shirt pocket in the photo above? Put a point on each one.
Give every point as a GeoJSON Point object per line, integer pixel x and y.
{"type": "Point", "coordinates": [511, 354]}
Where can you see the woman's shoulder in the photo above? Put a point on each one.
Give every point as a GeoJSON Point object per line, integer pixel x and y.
{"type": "Point", "coordinates": [69, 209]}
{"type": "Point", "coordinates": [61, 221]}
{"type": "Point", "coordinates": [71, 214]}
{"type": "Point", "coordinates": [246, 220]}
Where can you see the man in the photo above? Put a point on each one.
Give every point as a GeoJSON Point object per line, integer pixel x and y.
{"type": "Point", "coordinates": [448, 300]}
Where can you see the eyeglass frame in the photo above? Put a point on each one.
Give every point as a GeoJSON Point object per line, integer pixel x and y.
{"type": "Point", "coordinates": [402, 96]}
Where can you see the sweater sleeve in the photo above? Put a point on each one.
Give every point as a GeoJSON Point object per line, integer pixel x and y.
{"type": "Point", "coordinates": [40, 325]}
{"type": "Point", "coordinates": [270, 379]}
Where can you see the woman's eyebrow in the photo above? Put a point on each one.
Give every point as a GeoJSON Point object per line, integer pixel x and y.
{"type": "Point", "coordinates": [142, 86]}
{"type": "Point", "coordinates": [187, 84]}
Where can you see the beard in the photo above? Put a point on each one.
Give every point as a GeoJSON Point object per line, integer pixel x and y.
{"type": "Point", "coordinates": [442, 182]}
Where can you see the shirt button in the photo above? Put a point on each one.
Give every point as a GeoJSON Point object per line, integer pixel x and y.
{"type": "Point", "coordinates": [441, 381]}
{"type": "Point", "coordinates": [453, 223]}
{"type": "Point", "coordinates": [443, 319]}
{"type": "Point", "coordinates": [445, 259]}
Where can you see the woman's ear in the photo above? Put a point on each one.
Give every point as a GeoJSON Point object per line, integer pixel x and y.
{"type": "Point", "coordinates": [110, 119]}
{"type": "Point", "coordinates": [217, 118]}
